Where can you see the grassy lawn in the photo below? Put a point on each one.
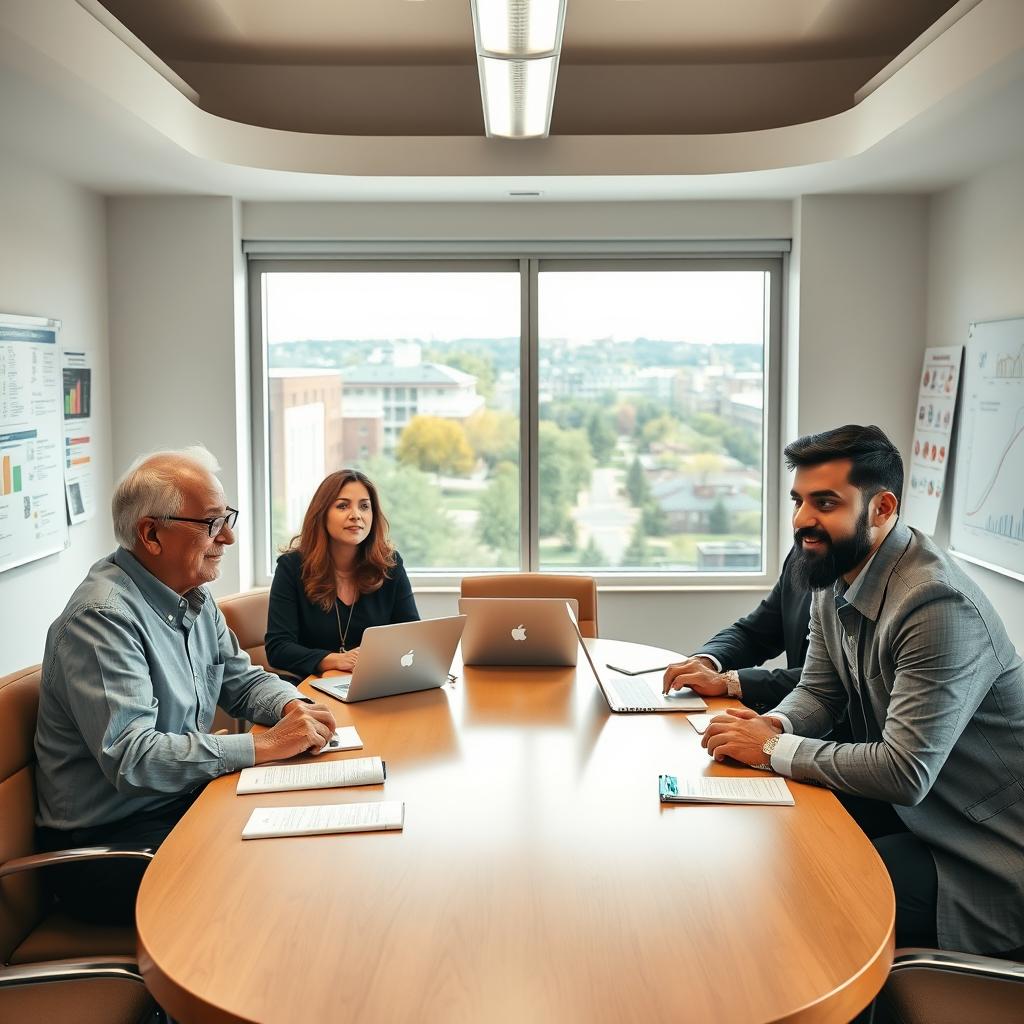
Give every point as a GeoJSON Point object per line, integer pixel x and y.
{"type": "Point", "coordinates": [460, 500]}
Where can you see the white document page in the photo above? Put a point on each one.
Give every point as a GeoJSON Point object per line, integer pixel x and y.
{"type": "Point", "coordinates": [732, 791]}
{"type": "Point", "coordinates": [701, 722]}
{"type": "Point", "coordinates": [265, 822]}
{"type": "Point", "coordinates": [353, 771]}
{"type": "Point", "coordinates": [345, 738]}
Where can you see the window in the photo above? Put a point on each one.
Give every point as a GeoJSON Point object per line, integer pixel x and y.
{"type": "Point", "coordinates": [448, 469]}
{"type": "Point", "coordinates": [610, 417]}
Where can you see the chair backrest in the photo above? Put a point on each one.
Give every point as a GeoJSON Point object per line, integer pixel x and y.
{"type": "Point", "coordinates": [246, 616]}
{"type": "Point", "coordinates": [540, 584]}
{"type": "Point", "coordinates": [20, 907]}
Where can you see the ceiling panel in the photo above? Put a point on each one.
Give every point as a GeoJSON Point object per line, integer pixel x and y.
{"type": "Point", "coordinates": [596, 31]}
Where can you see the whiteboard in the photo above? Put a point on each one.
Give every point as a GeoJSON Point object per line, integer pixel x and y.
{"type": "Point", "coordinates": [987, 525]}
{"type": "Point", "coordinates": [33, 521]}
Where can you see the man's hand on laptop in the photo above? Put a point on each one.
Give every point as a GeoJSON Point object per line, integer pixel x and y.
{"type": "Point", "coordinates": [696, 673]}
{"type": "Point", "coordinates": [342, 661]}
{"type": "Point", "coordinates": [303, 727]}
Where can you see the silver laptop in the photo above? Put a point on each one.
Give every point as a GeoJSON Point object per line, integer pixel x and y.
{"type": "Point", "coordinates": [518, 631]}
{"type": "Point", "coordinates": [399, 658]}
{"type": "Point", "coordinates": [626, 693]}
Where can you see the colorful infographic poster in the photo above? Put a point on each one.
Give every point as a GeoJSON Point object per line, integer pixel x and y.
{"type": "Point", "coordinates": [78, 439]}
{"type": "Point", "coordinates": [988, 497]}
{"type": "Point", "coordinates": [32, 519]}
{"type": "Point", "coordinates": [933, 431]}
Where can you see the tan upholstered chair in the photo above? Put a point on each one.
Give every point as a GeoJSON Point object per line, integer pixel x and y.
{"type": "Point", "coordinates": [540, 584]}
{"type": "Point", "coordinates": [53, 967]}
{"type": "Point", "coordinates": [246, 616]}
{"type": "Point", "coordinates": [932, 986]}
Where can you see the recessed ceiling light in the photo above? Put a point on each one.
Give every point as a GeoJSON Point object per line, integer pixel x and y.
{"type": "Point", "coordinates": [525, 195]}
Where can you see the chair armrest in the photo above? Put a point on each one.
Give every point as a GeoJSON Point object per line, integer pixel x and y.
{"type": "Point", "coordinates": [123, 967]}
{"type": "Point", "coordinates": [960, 963]}
{"type": "Point", "coordinates": [45, 860]}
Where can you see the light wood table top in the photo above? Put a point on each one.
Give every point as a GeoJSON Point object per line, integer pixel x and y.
{"type": "Point", "coordinates": [538, 878]}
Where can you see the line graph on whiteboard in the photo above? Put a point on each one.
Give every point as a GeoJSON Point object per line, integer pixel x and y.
{"type": "Point", "coordinates": [988, 504]}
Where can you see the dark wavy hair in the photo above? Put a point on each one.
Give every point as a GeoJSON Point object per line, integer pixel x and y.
{"type": "Point", "coordinates": [875, 462]}
{"type": "Point", "coordinates": [376, 554]}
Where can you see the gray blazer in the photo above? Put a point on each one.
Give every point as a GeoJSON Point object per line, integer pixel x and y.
{"type": "Point", "coordinates": [936, 699]}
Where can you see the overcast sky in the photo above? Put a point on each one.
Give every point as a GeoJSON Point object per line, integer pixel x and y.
{"type": "Point", "coordinates": [704, 306]}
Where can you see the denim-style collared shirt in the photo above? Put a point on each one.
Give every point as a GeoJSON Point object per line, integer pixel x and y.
{"type": "Point", "coordinates": [132, 676]}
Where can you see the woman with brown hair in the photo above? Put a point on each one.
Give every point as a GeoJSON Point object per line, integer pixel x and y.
{"type": "Point", "coordinates": [340, 575]}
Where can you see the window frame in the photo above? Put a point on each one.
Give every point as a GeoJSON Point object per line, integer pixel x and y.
{"type": "Point", "coordinates": [529, 265]}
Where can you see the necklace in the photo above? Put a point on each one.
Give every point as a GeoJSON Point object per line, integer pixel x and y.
{"type": "Point", "coordinates": [343, 635]}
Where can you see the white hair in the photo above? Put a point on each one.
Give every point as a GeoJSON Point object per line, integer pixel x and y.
{"type": "Point", "coordinates": [152, 487]}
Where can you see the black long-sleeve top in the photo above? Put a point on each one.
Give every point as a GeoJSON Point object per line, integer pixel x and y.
{"type": "Point", "coordinates": [780, 623]}
{"type": "Point", "coordinates": [301, 634]}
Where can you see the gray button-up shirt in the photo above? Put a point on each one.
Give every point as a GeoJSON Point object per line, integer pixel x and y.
{"type": "Point", "coordinates": [132, 676]}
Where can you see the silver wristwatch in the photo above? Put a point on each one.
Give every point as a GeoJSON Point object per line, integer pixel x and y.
{"type": "Point", "coordinates": [732, 684]}
{"type": "Point", "coordinates": [769, 747]}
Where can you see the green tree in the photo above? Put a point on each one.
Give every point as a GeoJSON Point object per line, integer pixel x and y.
{"type": "Point", "coordinates": [420, 526]}
{"type": "Point", "coordinates": [654, 519]}
{"type": "Point", "coordinates": [565, 468]}
{"type": "Point", "coordinates": [435, 445]}
{"type": "Point", "coordinates": [661, 428]}
{"type": "Point", "coordinates": [592, 556]}
{"type": "Point", "coordinates": [498, 525]}
{"type": "Point", "coordinates": [602, 434]}
{"type": "Point", "coordinates": [718, 517]}
{"type": "Point", "coordinates": [637, 551]}
{"type": "Point", "coordinates": [636, 483]}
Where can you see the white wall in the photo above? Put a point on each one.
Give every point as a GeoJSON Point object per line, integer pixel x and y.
{"type": "Point", "coordinates": [177, 346]}
{"type": "Point", "coordinates": [860, 311]}
{"type": "Point", "coordinates": [53, 263]}
{"type": "Point", "coordinates": [976, 272]}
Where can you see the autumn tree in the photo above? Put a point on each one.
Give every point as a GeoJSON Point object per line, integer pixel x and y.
{"type": "Point", "coordinates": [435, 445]}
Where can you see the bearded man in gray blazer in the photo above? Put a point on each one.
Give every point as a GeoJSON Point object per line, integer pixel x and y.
{"type": "Point", "coordinates": [907, 645]}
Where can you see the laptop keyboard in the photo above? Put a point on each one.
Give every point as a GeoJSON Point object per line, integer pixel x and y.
{"type": "Point", "coordinates": [632, 693]}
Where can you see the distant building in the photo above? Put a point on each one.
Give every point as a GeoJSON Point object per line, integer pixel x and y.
{"type": "Point", "coordinates": [305, 435]}
{"type": "Point", "coordinates": [420, 389]}
{"type": "Point", "coordinates": [363, 430]}
{"type": "Point", "coordinates": [688, 505]}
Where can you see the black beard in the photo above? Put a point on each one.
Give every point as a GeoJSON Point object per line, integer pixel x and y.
{"type": "Point", "coordinates": [816, 572]}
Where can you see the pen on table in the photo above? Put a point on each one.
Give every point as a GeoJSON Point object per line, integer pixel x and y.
{"type": "Point", "coordinates": [636, 672]}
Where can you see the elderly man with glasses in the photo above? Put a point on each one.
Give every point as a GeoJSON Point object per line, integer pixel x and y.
{"type": "Point", "coordinates": [134, 669]}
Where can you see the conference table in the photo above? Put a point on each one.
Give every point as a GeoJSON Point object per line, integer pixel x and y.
{"type": "Point", "coordinates": [537, 878]}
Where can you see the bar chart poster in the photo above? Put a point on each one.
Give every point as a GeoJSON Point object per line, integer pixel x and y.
{"type": "Point", "coordinates": [988, 496]}
{"type": "Point", "coordinates": [78, 437]}
{"type": "Point", "coordinates": [77, 382]}
{"type": "Point", "coordinates": [933, 432]}
{"type": "Point", "coordinates": [33, 522]}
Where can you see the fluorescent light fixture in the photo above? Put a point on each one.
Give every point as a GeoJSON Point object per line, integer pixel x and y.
{"type": "Point", "coordinates": [518, 28]}
{"type": "Point", "coordinates": [517, 96]}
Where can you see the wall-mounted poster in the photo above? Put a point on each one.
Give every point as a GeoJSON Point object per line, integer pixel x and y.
{"type": "Point", "coordinates": [933, 431]}
{"type": "Point", "coordinates": [78, 444]}
{"type": "Point", "coordinates": [32, 518]}
{"type": "Point", "coordinates": [987, 524]}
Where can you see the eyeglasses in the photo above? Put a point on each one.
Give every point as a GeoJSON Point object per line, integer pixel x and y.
{"type": "Point", "coordinates": [214, 525]}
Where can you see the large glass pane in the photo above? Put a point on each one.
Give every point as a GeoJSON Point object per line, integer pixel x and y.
{"type": "Point", "coordinates": [412, 378]}
{"type": "Point", "coordinates": [652, 419]}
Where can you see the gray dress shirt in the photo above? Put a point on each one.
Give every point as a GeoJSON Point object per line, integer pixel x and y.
{"type": "Point", "coordinates": [132, 676]}
{"type": "Point", "coordinates": [935, 693]}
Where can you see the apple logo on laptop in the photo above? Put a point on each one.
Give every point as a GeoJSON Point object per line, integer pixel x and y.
{"type": "Point", "coordinates": [407, 659]}
{"type": "Point", "coordinates": [519, 633]}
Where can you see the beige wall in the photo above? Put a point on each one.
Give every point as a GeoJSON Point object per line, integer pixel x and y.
{"type": "Point", "coordinates": [976, 272]}
{"type": "Point", "coordinates": [53, 263]}
{"type": "Point", "coordinates": [177, 346]}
